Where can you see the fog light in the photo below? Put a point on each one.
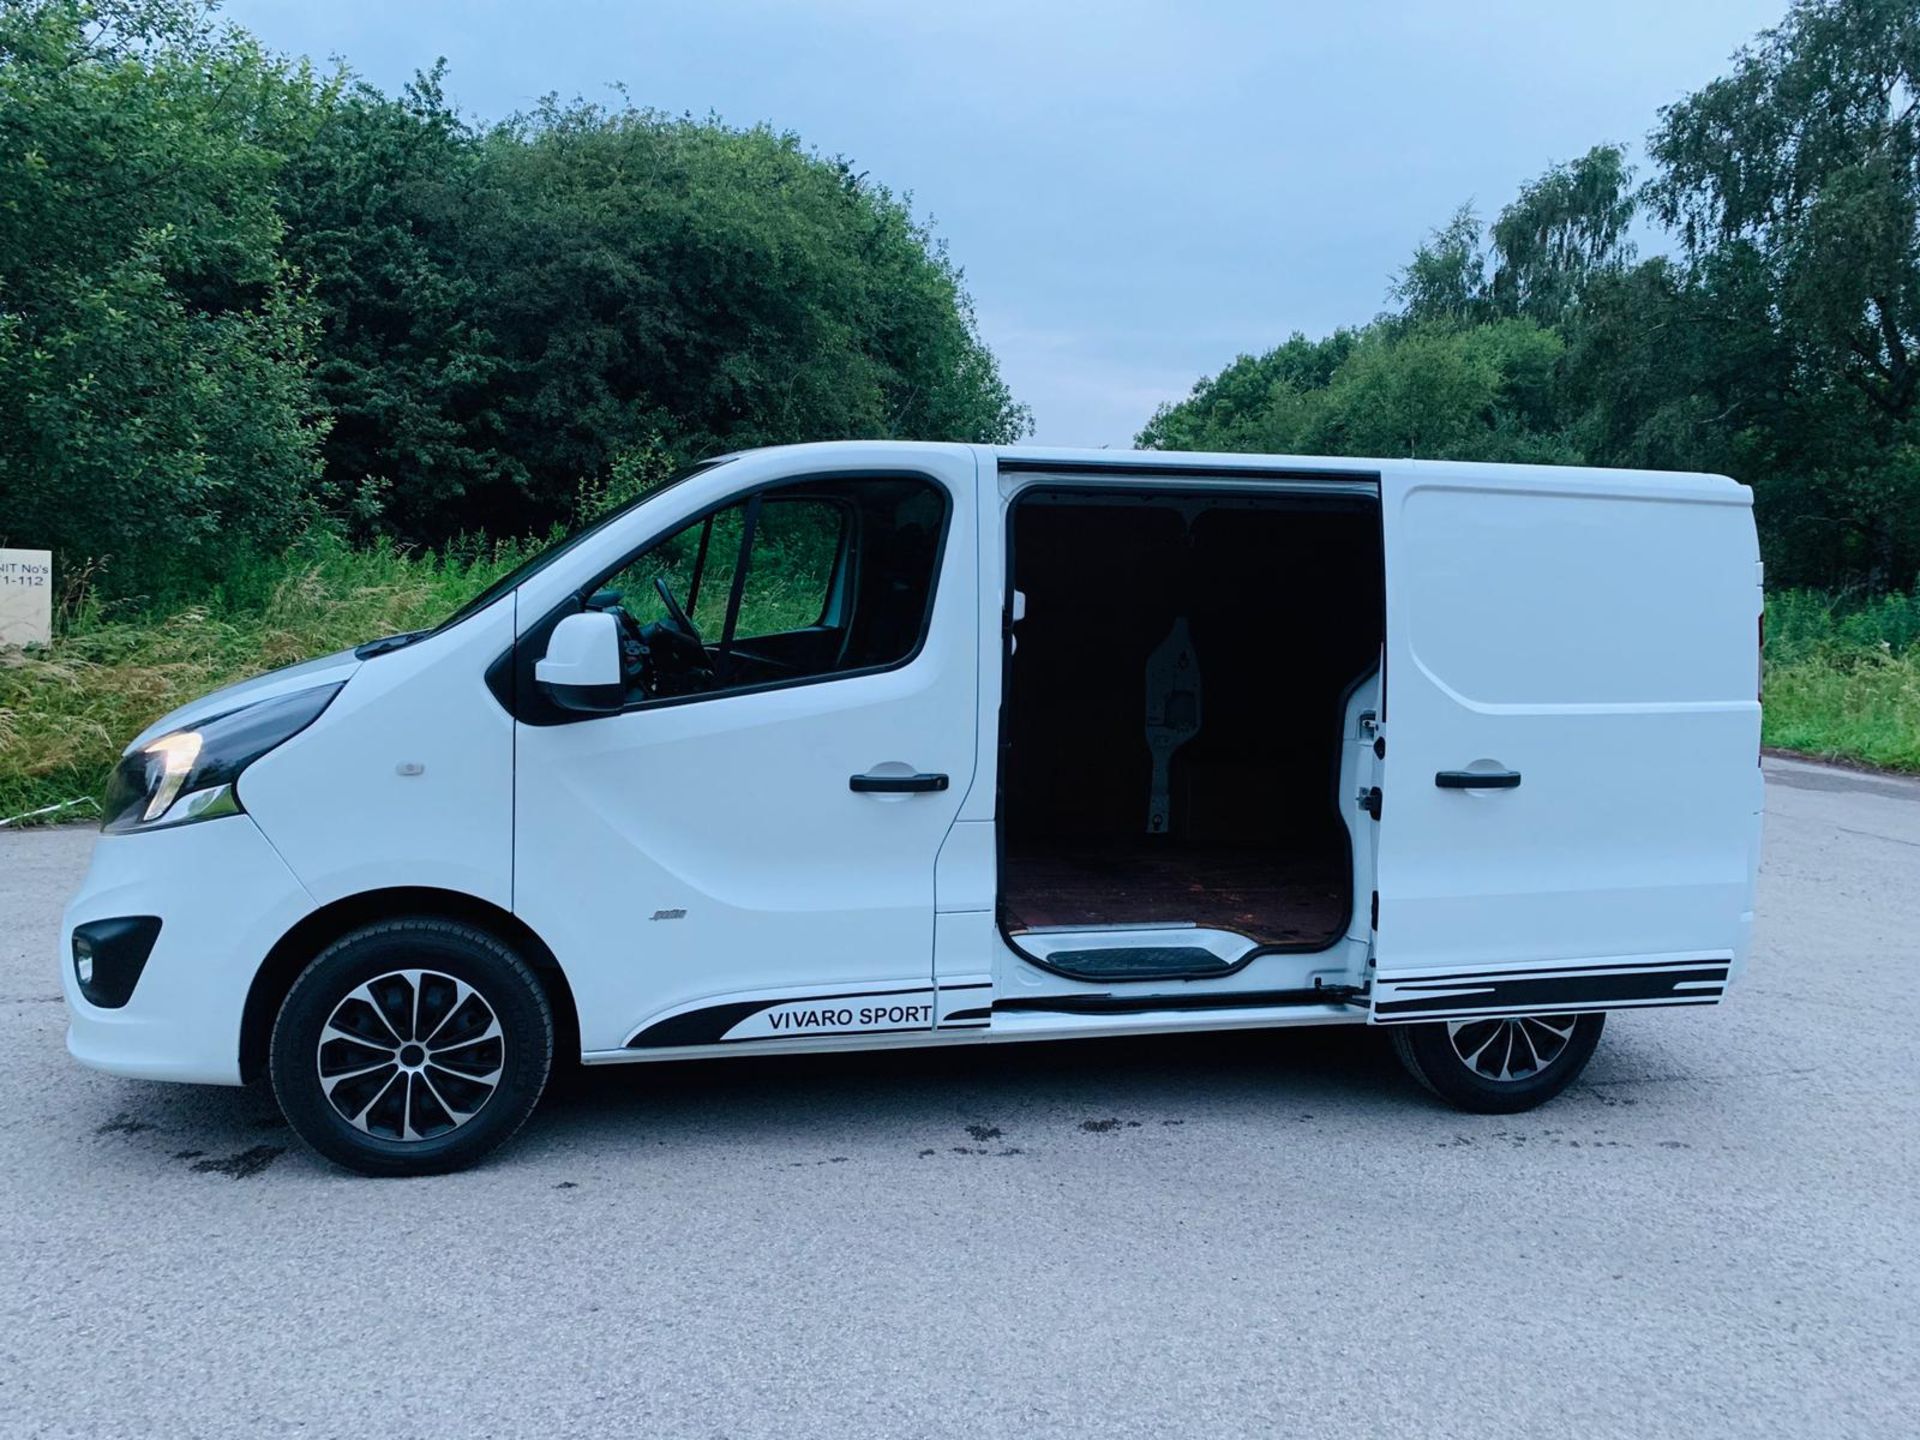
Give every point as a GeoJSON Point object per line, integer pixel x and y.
{"type": "Point", "coordinates": [108, 956]}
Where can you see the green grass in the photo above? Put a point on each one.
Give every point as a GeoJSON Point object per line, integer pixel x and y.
{"type": "Point", "coordinates": [1843, 677]}
{"type": "Point", "coordinates": [66, 712]}
{"type": "Point", "coordinates": [1843, 672]}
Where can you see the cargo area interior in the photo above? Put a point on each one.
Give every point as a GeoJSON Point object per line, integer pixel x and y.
{"type": "Point", "coordinates": [1173, 722]}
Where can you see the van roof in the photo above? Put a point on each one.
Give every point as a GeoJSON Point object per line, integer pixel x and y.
{"type": "Point", "coordinates": [1039, 458]}
{"type": "Point", "coordinates": [1118, 463]}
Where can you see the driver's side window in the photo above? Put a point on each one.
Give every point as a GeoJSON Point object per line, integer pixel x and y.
{"type": "Point", "coordinates": [674, 560]}
{"type": "Point", "coordinates": [831, 577]}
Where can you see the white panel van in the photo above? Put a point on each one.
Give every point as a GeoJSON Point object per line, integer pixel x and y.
{"type": "Point", "coordinates": [870, 744]}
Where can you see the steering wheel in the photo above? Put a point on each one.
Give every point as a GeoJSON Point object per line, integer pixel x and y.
{"type": "Point", "coordinates": [686, 628]}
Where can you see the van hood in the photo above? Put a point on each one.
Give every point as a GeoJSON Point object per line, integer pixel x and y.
{"type": "Point", "coordinates": [327, 670]}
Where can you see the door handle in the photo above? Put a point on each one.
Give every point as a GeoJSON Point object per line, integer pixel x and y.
{"type": "Point", "coordinates": [1478, 779]}
{"type": "Point", "coordinates": [895, 784]}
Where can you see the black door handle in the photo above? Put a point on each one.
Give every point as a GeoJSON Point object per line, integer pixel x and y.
{"type": "Point", "coordinates": [895, 784]}
{"type": "Point", "coordinates": [1478, 779]}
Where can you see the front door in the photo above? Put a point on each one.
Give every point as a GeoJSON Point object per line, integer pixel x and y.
{"type": "Point", "coordinates": [1571, 789]}
{"type": "Point", "coordinates": [746, 852]}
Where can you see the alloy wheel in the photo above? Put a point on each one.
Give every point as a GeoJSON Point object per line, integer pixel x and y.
{"type": "Point", "coordinates": [411, 1055]}
{"type": "Point", "coordinates": [1511, 1048]}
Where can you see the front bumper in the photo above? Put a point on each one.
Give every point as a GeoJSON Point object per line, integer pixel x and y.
{"type": "Point", "coordinates": [224, 897]}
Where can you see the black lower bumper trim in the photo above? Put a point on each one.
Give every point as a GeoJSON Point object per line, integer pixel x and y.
{"type": "Point", "coordinates": [109, 956]}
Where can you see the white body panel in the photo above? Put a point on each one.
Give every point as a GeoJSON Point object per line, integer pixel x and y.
{"type": "Point", "coordinates": [289, 679]}
{"type": "Point", "coordinates": [406, 780]}
{"type": "Point", "coordinates": [1595, 633]}
{"type": "Point", "coordinates": [682, 857]}
{"type": "Point", "coordinates": [703, 875]}
{"type": "Point", "coordinates": [225, 898]}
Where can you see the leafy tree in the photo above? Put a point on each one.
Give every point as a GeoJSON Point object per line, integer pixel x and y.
{"type": "Point", "coordinates": [1231, 410]}
{"type": "Point", "coordinates": [1429, 389]}
{"type": "Point", "coordinates": [1809, 153]}
{"type": "Point", "coordinates": [511, 309]}
{"type": "Point", "coordinates": [1565, 231]}
{"type": "Point", "coordinates": [1446, 393]}
{"type": "Point", "coordinates": [1666, 372]}
{"type": "Point", "coordinates": [1446, 281]}
{"type": "Point", "coordinates": [237, 299]}
{"type": "Point", "coordinates": [1780, 344]}
{"type": "Point", "coordinates": [153, 345]}
{"type": "Point", "coordinates": [1801, 171]}
{"type": "Point", "coordinates": [376, 205]}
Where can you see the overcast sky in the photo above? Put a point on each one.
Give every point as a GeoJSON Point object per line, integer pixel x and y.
{"type": "Point", "coordinates": [1137, 192]}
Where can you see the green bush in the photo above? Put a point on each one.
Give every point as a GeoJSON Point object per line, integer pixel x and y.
{"type": "Point", "coordinates": [510, 308]}
{"type": "Point", "coordinates": [239, 299]}
{"type": "Point", "coordinates": [154, 346]}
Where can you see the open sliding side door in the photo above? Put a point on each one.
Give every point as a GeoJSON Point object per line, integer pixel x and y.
{"type": "Point", "coordinates": [1571, 788]}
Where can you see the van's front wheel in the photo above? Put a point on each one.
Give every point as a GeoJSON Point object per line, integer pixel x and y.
{"type": "Point", "coordinates": [411, 1047]}
{"type": "Point", "coordinates": [1501, 1065]}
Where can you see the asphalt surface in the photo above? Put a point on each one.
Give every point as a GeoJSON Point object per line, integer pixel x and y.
{"type": "Point", "coordinates": [1714, 1234]}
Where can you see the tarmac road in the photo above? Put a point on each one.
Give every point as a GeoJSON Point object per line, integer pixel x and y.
{"type": "Point", "coordinates": [1714, 1234]}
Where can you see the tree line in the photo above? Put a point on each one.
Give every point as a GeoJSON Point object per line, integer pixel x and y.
{"type": "Point", "coordinates": [1776, 338]}
{"type": "Point", "coordinates": [240, 298]}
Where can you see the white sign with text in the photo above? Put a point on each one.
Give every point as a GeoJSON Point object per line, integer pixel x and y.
{"type": "Point", "coordinates": [26, 597]}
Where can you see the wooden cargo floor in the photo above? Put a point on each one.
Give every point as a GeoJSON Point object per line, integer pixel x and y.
{"type": "Point", "coordinates": [1273, 897]}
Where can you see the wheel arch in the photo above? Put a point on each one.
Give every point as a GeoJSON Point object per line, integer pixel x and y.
{"type": "Point", "coordinates": [294, 950]}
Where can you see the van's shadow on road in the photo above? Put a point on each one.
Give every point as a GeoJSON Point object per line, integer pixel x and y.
{"type": "Point", "coordinates": [916, 1097]}
{"type": "Point", "coordinates": [1163, 1077]}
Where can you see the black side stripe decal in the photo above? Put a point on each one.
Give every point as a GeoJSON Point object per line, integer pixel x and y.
{"type": "Point", "coordinates": [1702, 982]}
{"type": "Point", "coordinates": [709, 1024]}
{"type": "Point", "coordinates": [1476, 1012]}
{"type": "Point", "coordinates": [704, 1026]}
{"type": "Point", "coordinates": [1421, 977]}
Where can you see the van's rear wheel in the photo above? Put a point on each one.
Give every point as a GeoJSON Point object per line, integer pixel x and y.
{"type": "Point", "coordinates": [1500, 1065]}
{"type": "Point", "coordinates": [411, 1047]}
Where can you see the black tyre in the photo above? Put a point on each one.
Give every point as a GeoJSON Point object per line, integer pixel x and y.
{"type": "Point", "coordinates": [411, 1047]}
{"type": "Point", "coordinates": [1502, 1065]}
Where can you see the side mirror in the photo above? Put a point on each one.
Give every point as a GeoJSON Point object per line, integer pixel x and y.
{"type": "Point", "coordinates": [581, 669]}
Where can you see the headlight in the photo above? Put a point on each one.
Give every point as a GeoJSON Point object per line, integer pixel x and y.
{"type": "Point", "coordinates": [189, 774]}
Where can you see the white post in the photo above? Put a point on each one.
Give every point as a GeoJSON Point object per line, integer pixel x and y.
{"type": "Point", "coordinates": [26, 597]}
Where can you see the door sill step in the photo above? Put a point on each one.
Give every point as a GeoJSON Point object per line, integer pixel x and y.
{"type": "Point", "coordinates": [1141, 1004]}
{"type": "Point", "coordinates": [1139, 962]}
